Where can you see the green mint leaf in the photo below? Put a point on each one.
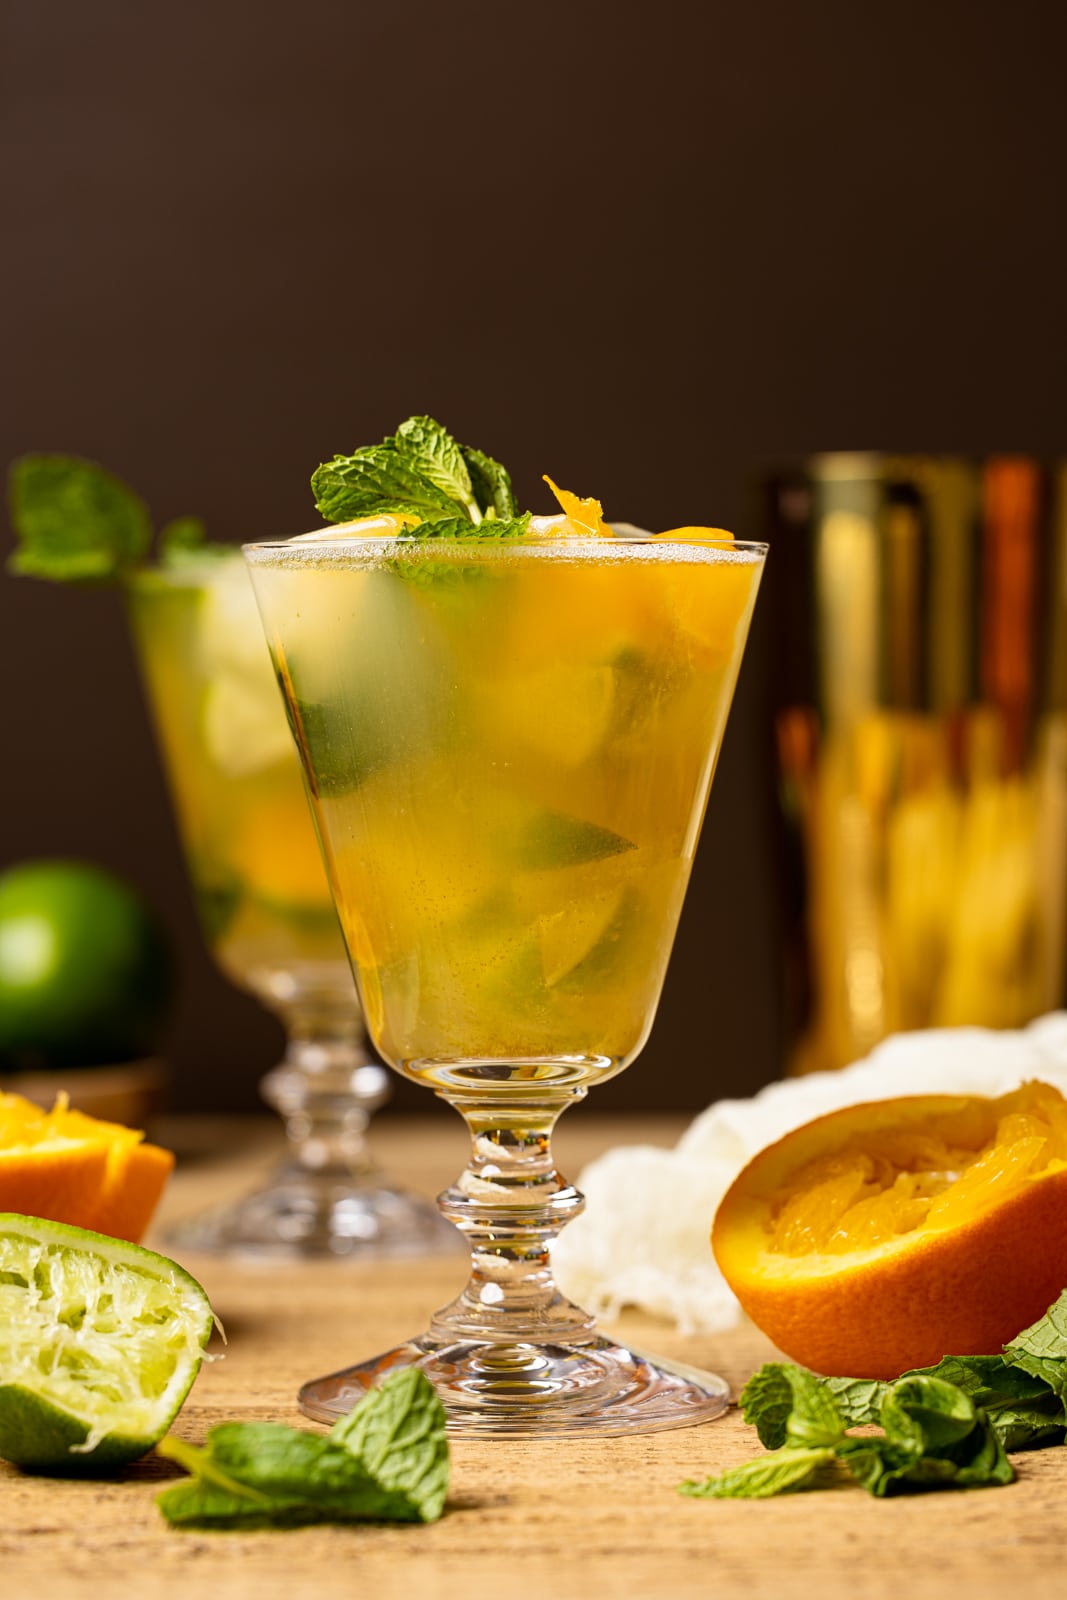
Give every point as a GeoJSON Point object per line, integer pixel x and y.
{"type": "Point", "coordinates": [180, 535]}
{"type": "Point", "coordinates": [398, 1434]}
{"type": "Point", "coordinates": [387, 1461]}
{"type": "Point", "coordinates": [766, 1402]}
{"type": "Point", "coordinates": [435, 455]}
{"type": "Point", "coordinates": [1041, 1350]}
{"type": "Point", "coordinates": [460, 528]}
{"type": "Point", "coordinates": [778, 1472]}
{"type": "Point", "coordinates": [376, 480]}
{"type": "Point", "coordinates": [1023, 1410]}
{"type": "Point", "coordinates": [858, 1399]}
{"type": "Point", "coordinates": [554, 839]}
{"type": "Point", "coordinates": [935, 1437]}
{"type": "Point", "coordinates": [75, 522]}
{"type": "Point", "coordinates": [928, 1414]}
{"type": "Point", "coordinates": [789, 1404]}
{"type": "Point", "coordinates": [491, 484]}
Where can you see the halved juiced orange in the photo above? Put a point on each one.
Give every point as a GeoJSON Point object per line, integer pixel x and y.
{"type": "Point", "coordinates": [887, 1235]}
{"type": "Point", "coordinates": [68, 1167]}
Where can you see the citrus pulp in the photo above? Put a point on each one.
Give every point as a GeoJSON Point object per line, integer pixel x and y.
{"type": "Point", "coordinates": [885, 1236]}
{"type": "Point", "coordinates": [102, 1341]}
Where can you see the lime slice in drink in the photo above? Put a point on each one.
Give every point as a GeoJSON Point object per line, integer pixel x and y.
{"type": "Point", "coordinates": [101, 1342]}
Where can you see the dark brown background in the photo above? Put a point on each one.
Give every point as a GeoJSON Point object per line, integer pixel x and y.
{"type": "Point", "coordinates": [647, 247]}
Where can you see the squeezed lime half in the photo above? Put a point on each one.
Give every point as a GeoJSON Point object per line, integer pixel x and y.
{"type": "Point", "coordinates": [99, 1344]}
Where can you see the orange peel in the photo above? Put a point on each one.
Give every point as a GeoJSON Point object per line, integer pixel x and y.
{"type": "Point", "coordinates": [882, 1237]}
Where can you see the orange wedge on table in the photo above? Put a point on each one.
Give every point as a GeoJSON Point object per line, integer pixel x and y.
{"type": "Point", "coordinates": [68, 1167]}
{"type": "Point", "coordinates": [885, 1236]}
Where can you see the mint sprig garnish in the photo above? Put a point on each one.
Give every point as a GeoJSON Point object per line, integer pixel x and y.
{"type": "Point", "coordinates": [78, 523]}
{"type": "Point", "coordinates": [75, 522]}
{"type": "Point", "coordinates": [386, 1461]}
{"type": "Point", "coordinates": [421, 472]}
{"type": "Point", "coordinates": [947, 1426]}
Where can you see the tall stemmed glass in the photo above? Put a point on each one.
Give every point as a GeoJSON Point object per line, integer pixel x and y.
{"type": "Point", "coordinates": [509, 747]}
{"type": "Point", "coordinates": [268, 918]}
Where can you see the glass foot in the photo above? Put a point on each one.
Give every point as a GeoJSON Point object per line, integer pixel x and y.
{"type": "Point", "coordinates": [307, 1216]}
{"type": "Point", "coordinates": [544, 1391]}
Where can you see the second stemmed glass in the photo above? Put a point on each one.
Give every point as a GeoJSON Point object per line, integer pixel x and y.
{"type": "Point", "coordinates": [268, 918]}
{"type": "Point", "coordinates": [509, 745]}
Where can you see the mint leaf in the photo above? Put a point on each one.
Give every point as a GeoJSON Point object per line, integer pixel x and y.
{"type": "Point", "coordinates": [935, 1437]}
{"type": "Point", "coordinates": [421, 471]}
{"type": "Point", "coordinates": [375, 480]}
{"type": "Point", "coordinates": [460, 528]}
{"type": "Point", "coordinates": [180, 535]}
{"type": "Point", "coordinates": [789, 1404]}
{"type": "Point", "coordinates": [554, 839]}
{"type": "Point", "coordinates": [858, 1399]}
{"type": "Point", "coordinates": [1041, 1349]}
{"type": "Point", "coordinates": [387, 1461]}
{"type": "Point", "coordinates": [1023, 1410]}
{"type": "Point", "coordinates": [779, 1472]}
{"type": "Point", "coordinates": [766, 1401]}
{"type": "Point", "coordinates": [435, 455]}
{"type": "Point", "coordinates": [75, 522]}
{"type": "Point", "coordinates": [491, 484]}
{"type": "Point", "coordinates": [398, 1433]}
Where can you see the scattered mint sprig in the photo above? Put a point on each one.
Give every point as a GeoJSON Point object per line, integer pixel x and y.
{"type": "Point", "coordinates": [421, 471]}
{"type": "Point", "coordinates": [78, 523]}
{"type": "Point", "coordinates": [947, 1426]}
{"type": "Point", "coordinates": [386, 1461]}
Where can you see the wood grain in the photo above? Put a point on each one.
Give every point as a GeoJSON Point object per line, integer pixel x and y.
{"type": "Point", "coordinates": [585, 1519]}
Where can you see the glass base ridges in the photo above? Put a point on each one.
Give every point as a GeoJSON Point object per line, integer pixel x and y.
{"type": "Point", "coordinates": [309, 1216]}
{"type": "Point", "coordinates": [536, 1391]}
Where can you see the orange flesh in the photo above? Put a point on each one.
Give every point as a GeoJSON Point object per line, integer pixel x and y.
{"type": "Point", "coordinates": [70, 1167]}
{"type": "Point", "coordinates": [585, 515]}
{"type": "Point", "coordinates": [881, 1185]}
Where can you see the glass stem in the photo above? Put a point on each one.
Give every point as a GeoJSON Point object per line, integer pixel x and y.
{"type": "Point", "coordinates": [510, 1203]}
{"type": "Point", "coordinates": [326, 1088]}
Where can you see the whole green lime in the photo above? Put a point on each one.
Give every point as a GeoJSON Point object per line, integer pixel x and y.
{"type": "Point", "coordinates": [85, 971]}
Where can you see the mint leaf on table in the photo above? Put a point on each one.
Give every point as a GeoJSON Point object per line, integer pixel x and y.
{"type": "Point", "coordinates": [788, 1404]}
{"type": "Point", "coordinates": [1024, 1410]}
{"type": "Point", "coordinates": [778, 1472]}
{"type": "Point", "coordinates": [76, 523]}
{"type": "Point", "coordinates": [398, 1432]}
{"type": "Point", "coordinates": [1041, 1350]}
{"type": "Point", "coordinates": [858, 1399]}
{"type": "Point", "coordinates": [374, 481]}
{"type": "Point", "coordinates": [386, 1461]}
{"type": "Point", "coordinates": [932, 1436]}
{"type": "Point", "coordinates": [491, 484]}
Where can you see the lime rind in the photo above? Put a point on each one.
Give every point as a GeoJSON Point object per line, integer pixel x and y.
{"type": "Point", "coordinates": [102, 1342]}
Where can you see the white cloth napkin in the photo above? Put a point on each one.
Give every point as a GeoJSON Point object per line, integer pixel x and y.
{"type": "Point", "coordinates": [643, 1239]}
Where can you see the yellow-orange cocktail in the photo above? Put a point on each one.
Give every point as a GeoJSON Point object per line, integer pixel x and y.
{"type": "Point", "coordinates": [254, 861]}
{"type": "Point", "coordinates": [510, 747]}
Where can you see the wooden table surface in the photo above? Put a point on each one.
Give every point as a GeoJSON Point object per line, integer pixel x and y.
{"type": "Point", "coordinates": [586, 1519]}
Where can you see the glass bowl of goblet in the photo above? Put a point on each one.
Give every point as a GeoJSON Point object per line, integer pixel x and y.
{"type": "Point", "coordinates": [509, 746]}
{"type": "Point", "coordinates": [268, 918]}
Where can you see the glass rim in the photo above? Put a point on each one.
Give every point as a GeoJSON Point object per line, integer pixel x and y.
{"type": "Point", "coordinates": [335, 539]}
